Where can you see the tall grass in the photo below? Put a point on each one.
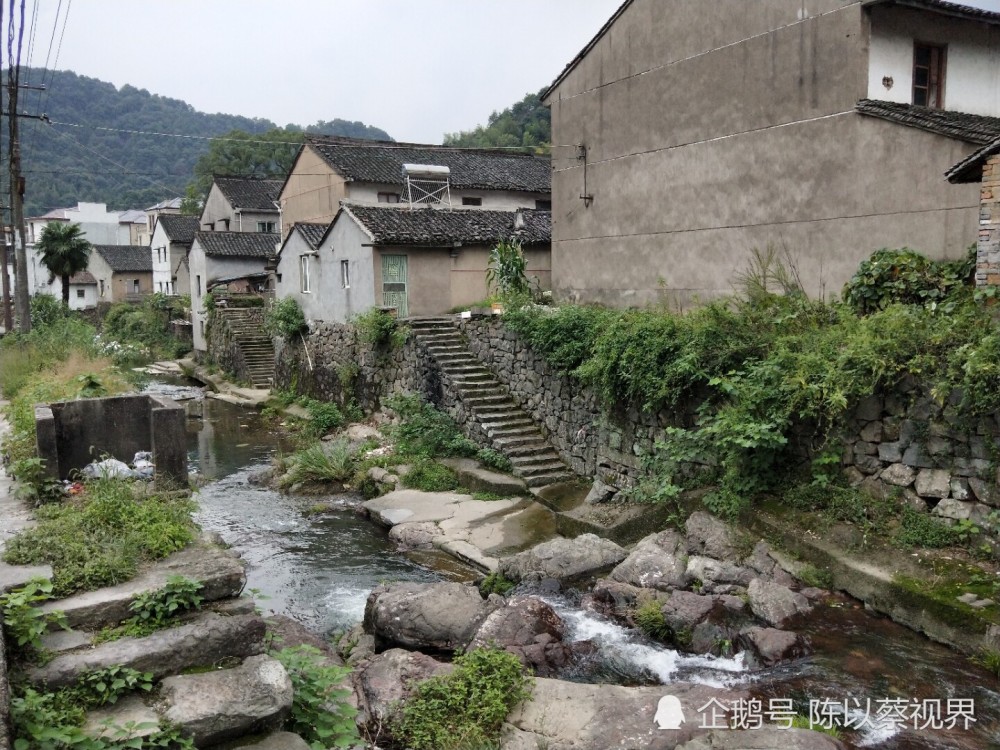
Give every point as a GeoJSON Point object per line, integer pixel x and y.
{"type": "Point", "coordinates": [320, 463]}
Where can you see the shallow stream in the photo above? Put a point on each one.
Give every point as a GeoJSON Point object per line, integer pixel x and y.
{"type": "Point", "coordinates": [319, 569]}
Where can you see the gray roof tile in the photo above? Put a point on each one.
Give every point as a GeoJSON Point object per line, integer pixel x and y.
{"type": "Point", "coordinates": [970, 169]}
{"type": "Point", "coordinates": [312, 233]}
{"type": "Point", "coordinates": [471, 169]}
{"type": "Point", "coordinates": [978, 129]}
{"type": "Point", "coordinates": [179, 228]}
{"type": "Point", "coordinates": [126, 258]}
{"type": "Point", "coordinates": [250, 193]}
{"type": "Point", "coordinates": [440, 227]}
{"type": "Point", "coordinates": [238, 244]}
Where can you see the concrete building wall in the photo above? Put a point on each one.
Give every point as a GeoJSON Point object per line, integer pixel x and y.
{"type": "Point", "coordinates": [217, 213]}
{"type": "Point", "coordinates": [312, 192]}
{"type": "Point", "coordinates": [709, 136]}
{"type": "Point", "coordinates": [346, 242]}
{"type": "Point", "coordinates": [497, 200]}
{"type": "Point", "coordinates": [317, 302]}
{"type": "Point", "coordinates": [128, 284]}
{"type": "Point", "coordinates": [972, 67]}
{"type": "Point", "coordinates": [162, 268]}
{"type": "Point", "coordinates": [179, 264]}
{"type": "Point", "coordinates": [82, 296]}
{"type": "Point", "coordinates": [199, 286]}
{"type": "Point", "coordinates": [247, 221]}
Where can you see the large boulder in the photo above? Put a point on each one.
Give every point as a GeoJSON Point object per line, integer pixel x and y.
{"type": "Point", "coordinates": [530, 629]}
{"type": "Point", "coordinates": [615, 599]}
{"type": "Point", "coordinates": [716, 573]}
{"type": "Point", "coordinates": [771, 645]}
{"type": "Point", "coordinates": [384, 682]}
{"type": "Point", "coordinates": [658, 562]}
{"type": "Point", "coordinates": [765, 738]}
{"type": "Point", "coordinates": [708, 536]}
{"type": "Point", "coordinates": [775, 604]}
{"type": "Point", "coordinates": [426, 616]}
{"type": "Point", "coordinates": [220, 705]}
{"type": "Point", "coordinates": [566, 560]}
{"type": "Point", "coordinates": [685, 609]}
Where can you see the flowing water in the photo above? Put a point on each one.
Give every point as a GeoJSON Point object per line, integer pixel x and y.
{"type": "Point", "coordinates": [320, 568]}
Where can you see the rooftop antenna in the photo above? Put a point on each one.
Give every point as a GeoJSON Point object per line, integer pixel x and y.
{"type": "Point", "coordinates": [426, 183]}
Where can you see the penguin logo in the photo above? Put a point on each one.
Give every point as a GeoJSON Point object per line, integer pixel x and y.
{"type": "Point", "coordinates": [669, 714]}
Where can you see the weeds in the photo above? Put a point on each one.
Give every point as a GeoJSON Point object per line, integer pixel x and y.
{"type": "Point", "coordinates": [320, 463]}
{"type": "Point", "coordinates": [496, 583]}
{"type": "Point", "coordinates": [23, 621]}
{"type": "Point", "coordinates": [425, 431]}
{"type": "Point", "coordinates": [649, 618]}
{"type": "Point", "coordinates": [321, 712]}
{"type": "Point", "coordinates": [430, 476]}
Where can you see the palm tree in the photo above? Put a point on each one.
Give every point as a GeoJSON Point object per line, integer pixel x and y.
{"type": "Point", "coordinates": [65, 251]}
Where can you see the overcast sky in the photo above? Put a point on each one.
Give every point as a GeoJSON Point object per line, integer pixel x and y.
{"type": "Point", "coordinates": [415, 68]}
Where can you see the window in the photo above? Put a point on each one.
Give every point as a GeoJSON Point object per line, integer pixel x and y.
{"type": "Point", "coordinates": [197, 287]}
{"type": "Point", "coordinates": [265, 226]}
{"type": "Point", "coordinates": [345, 274]}
{"type": "Point", "coordinates": [135, 286]}
{"type": "Point", "coordinates": [102, 287]}
{"type": "Point", "coordinates": [928, 75]}
{"type": "Point", "coordinates": [543, 205]}
{"type": "Point", "coordinates": [79, 294]}
{"type": "Point", "coordinates": [468, 201]}
{"type": "Point", "coordinates": [388, 197]}
{"type": "Point", "coordinates": [304, 273]}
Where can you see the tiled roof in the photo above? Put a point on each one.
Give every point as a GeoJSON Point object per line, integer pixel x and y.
{"type": "Point", "coordinates": [179, 228]}
{"type": "Point", "coordinates": [439, 227]}
{"type": "Point", "coordinates": [82, 277]}
{"type": "Point", "coordinates": [311, 233]}
{"type": "Point", "coordinates": [941, 6]}
{"type": "Point", "coordinates": [249, 193]}
{"type": "Point", "coordinates": [471, 169]}
{"type": "Point", "coordinates": [970, 169]}
{"type": "Point", "coordinates": [238, 244]}
{"type": "Point", "coordinates": [132, 216]}
{"type": "Point", "coordinates": [978, 129]}
{"type": "Point", "coordinates": [171, 203]}
{"type": "Point", "coordinates": [126, 258]}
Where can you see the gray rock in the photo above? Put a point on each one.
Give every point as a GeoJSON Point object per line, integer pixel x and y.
{"type": "Point", "coordinates": [707, 535]}
{"type": "Point", "coordinates": [659, 562]}
{"type": "Point", "coordinates": [775, 604]}
{"type": "Point", "coordinates": [617, 598]}
{"type": "Point", "coordinates": [871, 432]}
{"type": "Point", "coordinates": [914, 501]}
{"type": "Point", "coordinates": [437, 616]}
{"type": "Point", "coordinates": [933, 483]}
{"type": "Point", "coordinates": [215, 706]}
{"type": "Point", "coordinates": [868, 464]}
{"type": "Point", "coordinates": [386, 681]}
{"type": "Point", "coordinates": [853, 476]}
{"type": "Point", "coordinates": [600, 493]}
{"type": "Point", "coordinates": [277, 741]}
{"type": "Point", "coordinates": [772, 645]}
{"type": "Point", "coordinates": [419, 535]}
{"type": "Point", "coordinates": [890, 452]}
{"type": "Point", "coordinates": [530, 629]}
{"type": "Point", "coordinates": [685, 609]}
{"type": "Point", "coordinates": [985, 492]}
{"type": "Point", "coordinates": [205, 641]}
{"type": "Point", "coordinates": [766, 738]}
{"type": "Point", "coordinates": [915, 456]}
{"type": "Point", "coordinates": [586, 556]}
{"type": "Point", "coordinates": [960, 488]}
{"type": "Point", "coordinates": [955, 509]}
{"type": "Point", "coordinates": [711, 571]}
{"type": "Point", "coordinates": [129, 708]}
{"type": "Point", "coordinates": [898, 474]}
{"type": "Point", "coordinates": [868, 409]}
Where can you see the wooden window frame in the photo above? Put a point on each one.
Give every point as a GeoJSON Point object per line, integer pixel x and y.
{"type": "Point", "coordinates": [936, 72]}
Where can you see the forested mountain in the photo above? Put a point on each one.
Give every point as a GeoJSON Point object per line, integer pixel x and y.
{"type": "Point", "coordinates": [527, 123]}
{"type": "Point", "coordinates": [74, 159]}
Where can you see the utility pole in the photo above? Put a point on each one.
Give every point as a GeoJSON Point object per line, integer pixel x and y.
{"type": "Point", "coordinates": [21, 302]}
{"type": "Point", "coordinates": [8, 317]}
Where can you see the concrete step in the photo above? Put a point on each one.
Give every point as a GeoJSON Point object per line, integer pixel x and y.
{"type": "Point", "coordinates": [504, 443]}
{"type": "Point", "coordinates": [201, 642]}
{"type": "Point", "coordinates": [550, 467]}
{"type": "Point", "coordinates": [221, 575]}
{"type": "Point", "coordinates": [546, 456]}
{"type": "Point", "coordinates": [524, 449]}
{"type": "Point", "coordinates": [490, 413]}
{"type": "Point", "coordinates": [543, 480]}
{"type": "Point", "coordinates": [517, 431]}
{"type": "Point", "coordinates": [499, 399]}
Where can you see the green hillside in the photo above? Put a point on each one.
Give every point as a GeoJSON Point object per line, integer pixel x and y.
{"type": "Point", "coordinates": [66, 163]}
{"type": "Point", "coordinates": [527, 123]}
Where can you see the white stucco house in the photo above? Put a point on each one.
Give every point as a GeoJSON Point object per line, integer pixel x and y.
{"type": "Point", "coordinates": [170, 246]}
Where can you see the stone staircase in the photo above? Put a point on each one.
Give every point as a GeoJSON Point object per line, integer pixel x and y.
{"type": "Point", "coordinates": [509, 428]}
{"type": "Point", "coordinates": [256, 346]}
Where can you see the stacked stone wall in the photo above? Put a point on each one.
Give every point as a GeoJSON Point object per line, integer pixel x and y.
{"type": "Point", "coordinates": [988, 243]}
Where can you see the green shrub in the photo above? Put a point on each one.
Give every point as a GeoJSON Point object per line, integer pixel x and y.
{"type": "Point", "coordinates": [285, 318]}
{"type": "Point", "coordinates": [321, 712]}
{"type": "Point", "coordinates": [464, 710]}
{"type": "Point", "coordinates": [923, 530]}
{"type": "Point", "coordinates": [35, 485]}
{"type": "Point", "coordinates": [496, 583]}
{"type": "Point", "coordinates": [494, 459]}
{"type": "Point", "coordinates": [324, 416]}
{"type": "Point", "coordinates": [905, 277]}
{"type": "Point", "coordinates": [650, 619]}
{"type": "Point", "coordinates": [103, 536]}
{"type": "Point", "coordinates": [430, 476]}
{"type": "Point", "coordinates": [380, 329]}
{"type": "Point", "coordinates": [425, 431]}
{"type": "Point", "coordinates": [564, 335]}
{"type": "Point", "coordinates": [506, 269]}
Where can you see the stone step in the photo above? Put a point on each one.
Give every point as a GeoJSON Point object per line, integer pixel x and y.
{"type": "Point", "coordinates": [222, 577]}
{"type": "Point", "coordinates": [489, 413]}
{"type": "Point", "coordinates": [507, 432]}
{"type": "Point", "coordinates": [524, 449]}
{"type": "Point", "coordinates": [224, 704]}
{"type": "Point", "coordinates": [204, 641]}
{"type": "Point", "coordinates": [543, 480]}
{"type": "Point", "coordinates": [550, 467]}
{"type": "Point", "coordinates": [546, 456]}
{"type": "Point", "coordinates": [506, 442]}
{"type": "Point", "coordinates": [487, 401]}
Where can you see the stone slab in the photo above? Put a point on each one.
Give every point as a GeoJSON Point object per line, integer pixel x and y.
{"type": "Point", "coordinates": [216, 706]}
{"type": "Point", "coordinates": [15, 576]}
{"type": "Point", "coordinates": [414, 506]}
{"type": "Point", "coordinates": [129, 709]}
{"type": "Point", "coordinates": [221, 575]}
{"type": "Point", "coordinates": [474, 477]}
{"type": "Point", "coordinates": [58, 641]}
{"type": "Point", "coordinates": [202, 642]}
{"type": "Point", "coordinates": [276, 741]}
{"type": "Point", "coordinates": [467, 553]}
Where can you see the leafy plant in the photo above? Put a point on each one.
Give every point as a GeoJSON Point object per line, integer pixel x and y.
{"type": "Point", "coordinates": [324, 416]}
{"type": "Point", "coordinates": [506, 269]}
{"type": "Point", "coordinates": [496, 583]}
{"type": "Point", "coordinates": [380, 329]}
{"type": "Point", "coordinates": [426, 431]}
{"type": "Point", "coordinates": [155, 609]}
{"type": "Point", "coordinates": [320, 463]}
{"type": "Point", "coordinates": [103, 686]}
{"type": "Point", "coordinates": [649, 617]}
{"type": "Point", "coordinates": [465, 709]}
{"type": "Point", "coordinates": [430, 476]}
{"type": "Point", "coordinates": [23, 622]}
{"type": "Point", "coordinates": [35, 485]}
{"type": "Point", "coordinates": [494, 459]}
{"type": "Point", "coordinates": [285, 318]}
{"type": "Point", "coordinates": [907, 277]}
{"type": "Point", "coordinates": [321, 712]}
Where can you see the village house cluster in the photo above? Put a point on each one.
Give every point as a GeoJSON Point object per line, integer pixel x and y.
{"type": "Point", "coordinates": [686, 137]}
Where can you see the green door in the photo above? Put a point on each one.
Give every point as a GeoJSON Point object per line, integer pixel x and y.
{"type": "Point", "coordinates": [394, 283]}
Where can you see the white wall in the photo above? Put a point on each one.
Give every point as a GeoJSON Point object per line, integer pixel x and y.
{"type": "Point", "coordinates": [162, 270]}
{"type": "Point", "coordinates": [289, 283]}
{"type": "Point", "coordinates": [972, 67]}
{"type": "Point", "coordinates": [199, 279]}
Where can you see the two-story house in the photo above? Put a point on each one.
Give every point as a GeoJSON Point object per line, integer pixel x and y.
{"type": "Point", "coordinates": [123, 273]}
{"type": "Point", "coordinates": [410, 226]}
{"type": "Point", "coordinates": [170, 245]}
{"type": "Point", "coordinates": [689, 134]}
{"type": "Point", "coordinates": [241, 204]}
